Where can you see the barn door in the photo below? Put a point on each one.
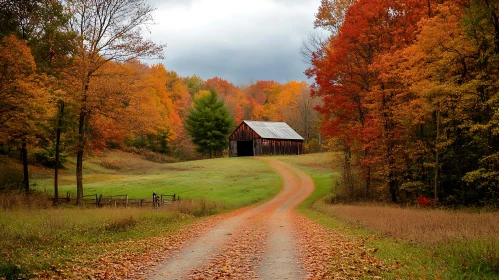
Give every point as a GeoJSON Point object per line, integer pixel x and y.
{"type": "Point", "coordinates": [245, 148]}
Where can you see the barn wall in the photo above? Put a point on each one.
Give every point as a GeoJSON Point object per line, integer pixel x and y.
{"type": "Point", "coordinates": [232, 148]}
{"type": "Point", "coordinates": [243, 133]}
{"type": "Point", "coordinates": [281, 147]}
{"type": "Point", "coordinates": [257, 147]}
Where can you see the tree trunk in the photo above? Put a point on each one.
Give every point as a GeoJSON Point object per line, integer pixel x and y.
{"type": "Point", "coordinates": [57, 149]}
{"type": "Point", "coordinates": [393, 189]}
{"type": "Point", "coordinates": [347, 176]}
{"type": "Point", "coordinates": [435, 183]}
{"type": "Point", "coordinates": [24, 154]}
{"type": "Point", "coordinates": [79, 158]}
{"type": "Point", "coordinates": [368, 182]}
{"type": "Point", "coordinates": [81, 142]}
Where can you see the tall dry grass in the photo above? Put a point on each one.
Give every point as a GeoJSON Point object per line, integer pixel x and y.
{"type": "Point", "coordinates": [10, 200]}
{"type": "Point", "coordinates": [421, 225]}
{"type": "Point", "coordinates": [198, 208]}
{"type": "Point", "coordinates": [468, 239]}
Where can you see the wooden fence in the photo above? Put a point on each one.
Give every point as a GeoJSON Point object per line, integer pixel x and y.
{"type": "Point", "coordinates": [122, 200]}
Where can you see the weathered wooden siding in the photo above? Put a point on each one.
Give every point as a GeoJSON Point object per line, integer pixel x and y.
{"type": "Point", "coordinates": [281, 147]}
{"type": "Point", "coordinates": [232, 148]}
{"type": "Point", "coordinates": [242, 133]}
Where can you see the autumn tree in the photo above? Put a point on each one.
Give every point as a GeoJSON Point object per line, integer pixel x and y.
{"type": "Point", "coordinates": [233, 96]}
{"type": "Point", "coordinates": [23, 97]}
{"type": "Point", "coordinates": [194, 84]}
{"type": "Point", "coordinates": [42, 25]}
{"type": "Point", "coordinates": [346, 80]}
{"type": "Point", "coordinates": [108, 30]}
{"type": "Point", "coordinates": [209, 124]}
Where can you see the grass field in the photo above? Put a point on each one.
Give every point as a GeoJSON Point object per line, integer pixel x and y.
{"type": "Point", "coordinates": [34, 239]}
{"type": "Point", "coordinates": [234, 182]}
{"type": "Point", "coordinates": [414, 243]}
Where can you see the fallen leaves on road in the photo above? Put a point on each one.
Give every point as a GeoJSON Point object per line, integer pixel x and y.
{"type": "Point", "coordinates": [329, 255]}
{"type": "Point", "coordinates": [132, 259]}
{"type": "Point", "coordinates": [239, 256]}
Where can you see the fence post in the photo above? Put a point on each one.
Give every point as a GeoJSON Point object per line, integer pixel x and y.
{"type": "Point", "coordinates": [126, 201]}
{"type": "Point", "coordinates": [68, 197]}
{"type": "Point", "coordinates": [98, 201]}
{"type": "Point", "coordinates": [173, 197]}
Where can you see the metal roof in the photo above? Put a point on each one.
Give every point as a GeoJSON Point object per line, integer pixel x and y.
{"type": "Point", "coordinates": [274, 130]}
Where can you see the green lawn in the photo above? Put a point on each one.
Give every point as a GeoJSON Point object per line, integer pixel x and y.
{"type": "Point", "coordinates": [234, 182]}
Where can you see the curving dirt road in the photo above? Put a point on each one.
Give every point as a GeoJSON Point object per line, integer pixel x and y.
{"type": "Point", "coordinates": [258, 243]}
{"type": "Point", "coordinates": [270, 241]}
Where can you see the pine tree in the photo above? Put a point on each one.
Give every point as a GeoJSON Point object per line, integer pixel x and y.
{"type": "Point", "coordinates": [209, 124]}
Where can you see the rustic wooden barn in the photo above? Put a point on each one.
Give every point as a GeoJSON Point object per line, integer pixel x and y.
{"type": "Point", "coordinates": [255, 138]}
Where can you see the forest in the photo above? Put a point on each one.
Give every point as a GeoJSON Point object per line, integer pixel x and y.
{"type": "Point", "coordinates": [409, 95]}
{"type": "Point", "coordinates": [72, 83]}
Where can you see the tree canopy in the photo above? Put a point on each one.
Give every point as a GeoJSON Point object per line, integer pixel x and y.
{"type": "Point", "coordinates": [410, 98]}
{"type": "Point", "coordinates": [209, 124]}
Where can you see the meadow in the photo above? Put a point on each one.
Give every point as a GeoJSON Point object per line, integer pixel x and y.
{"type": "Point", "coordinates": [233, 182]}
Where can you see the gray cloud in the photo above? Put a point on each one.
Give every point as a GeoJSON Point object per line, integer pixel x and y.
{"type": "Point", "coordinates": [239, 67]}
{"type": "Point", "coordinates": [236, 40]}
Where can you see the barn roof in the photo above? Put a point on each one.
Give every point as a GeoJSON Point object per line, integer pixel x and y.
{"type": "Point", "coordinates": [273, 130]}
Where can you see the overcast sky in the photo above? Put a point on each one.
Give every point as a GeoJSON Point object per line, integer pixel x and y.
{"type": "Point", "coordinates": [237, 40]}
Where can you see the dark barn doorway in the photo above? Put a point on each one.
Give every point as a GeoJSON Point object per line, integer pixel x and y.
{"type": "Point", "coordinates": [245, 148]}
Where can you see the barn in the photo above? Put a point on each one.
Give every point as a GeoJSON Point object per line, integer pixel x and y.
{"type": "Point", "coordinates": [255, 138]}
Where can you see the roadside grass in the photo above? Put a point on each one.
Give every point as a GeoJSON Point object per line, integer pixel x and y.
{"type": "Point", "coordinates": [50, 239]}
{"type": "Point", "coordinates": [413, 243]}
{"type": "Point", "coordinates": [36, 237]}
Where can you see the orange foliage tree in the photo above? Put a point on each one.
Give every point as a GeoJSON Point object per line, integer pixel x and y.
{"type": "Point", "coordinates": [107, 30]}
{"type": "Point", "coordinates": [24, 101]}
{"type": "Point", "coordinates": [355, 99]}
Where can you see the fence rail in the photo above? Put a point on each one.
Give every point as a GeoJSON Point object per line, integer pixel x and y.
{"type": "Point", "coordinates": [122, 200]}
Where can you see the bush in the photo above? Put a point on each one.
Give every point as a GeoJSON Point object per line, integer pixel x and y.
{"type": "Point", "coordinates": [46, 157]}
{"type": "Point", "coordinates": [313, 146]}
{"type": "Point", "coordinates": [424, 201]}
{"type": "Point", "coordinates": [11, 178]}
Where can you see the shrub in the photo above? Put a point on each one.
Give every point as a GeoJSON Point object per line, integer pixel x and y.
{"type": "Point", "coordinates": [46, 157]}
{"type": "Point", "coordinates": [424, 201]}
{"type": "Point", "coordinates": [11, 178]}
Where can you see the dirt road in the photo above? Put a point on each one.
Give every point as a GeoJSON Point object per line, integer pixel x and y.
{"type": "Point", "coordinates": [270, 241]}
{"type": "Point", "coordinates": [258, 243]}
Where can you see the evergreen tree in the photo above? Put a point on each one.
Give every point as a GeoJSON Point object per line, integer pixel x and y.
{"type": "Point", "coordinates": [209, 124]}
